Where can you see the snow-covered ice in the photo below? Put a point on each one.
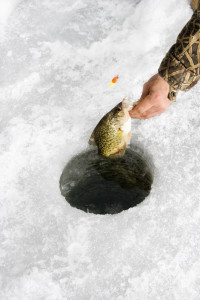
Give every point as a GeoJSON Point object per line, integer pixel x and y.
{"type": "Point", "coordinates": [57, 60]}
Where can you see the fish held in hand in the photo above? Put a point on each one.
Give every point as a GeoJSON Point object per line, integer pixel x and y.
{"type": "Point", "coordinates": [113, 131]}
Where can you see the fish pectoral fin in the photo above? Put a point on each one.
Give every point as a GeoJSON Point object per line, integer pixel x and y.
{"type": "Point", "coordinates": [92, 140]}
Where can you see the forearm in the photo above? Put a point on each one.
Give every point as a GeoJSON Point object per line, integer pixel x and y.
{"type": "Point", "coordinates": [181, 65]}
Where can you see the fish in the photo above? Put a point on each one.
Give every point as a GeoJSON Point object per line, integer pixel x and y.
{"type": "Point", "coordinates": [114, 80]}
{"type": "Point", "coordinates": [113, 131]}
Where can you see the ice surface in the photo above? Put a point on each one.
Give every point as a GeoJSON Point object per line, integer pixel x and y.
{"type": "Point", "coordinates": [57, 60]}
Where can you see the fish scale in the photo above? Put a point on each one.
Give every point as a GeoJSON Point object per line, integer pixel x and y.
{"type": "Point", "coordinates": [113, 131]}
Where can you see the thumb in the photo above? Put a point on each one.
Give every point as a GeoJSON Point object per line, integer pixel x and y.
{"type": "Point", "coordinates": [145, 91]}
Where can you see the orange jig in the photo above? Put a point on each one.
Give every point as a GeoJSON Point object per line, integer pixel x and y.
{"type": "Point", "coordinates": [114, 80]}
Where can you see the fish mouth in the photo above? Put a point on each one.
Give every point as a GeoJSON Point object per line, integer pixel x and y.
{"type": "Point", "coordinates": [127, 104]}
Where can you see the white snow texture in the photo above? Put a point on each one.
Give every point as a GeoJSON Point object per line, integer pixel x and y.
{"type": "Point", "coordinates": [57, 60]}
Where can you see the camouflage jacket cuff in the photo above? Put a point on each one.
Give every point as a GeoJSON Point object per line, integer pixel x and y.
{"type": "Point", "coordinates": [181, 65]}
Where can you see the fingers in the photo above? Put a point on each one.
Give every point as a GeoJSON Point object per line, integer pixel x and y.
{"type": "Point", "coordinates": [152, 112]}
{"type": "Point", "coordinates": [141, 107]}
{"type": "Point", "coordinates": [149, 115]}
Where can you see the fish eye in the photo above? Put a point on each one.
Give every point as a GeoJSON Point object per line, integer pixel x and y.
{"type": "Point", "coordinates": [118, 108]}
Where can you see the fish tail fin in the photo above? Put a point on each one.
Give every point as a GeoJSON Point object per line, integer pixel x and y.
{"type": "Point", "coordinates": [92, 140]}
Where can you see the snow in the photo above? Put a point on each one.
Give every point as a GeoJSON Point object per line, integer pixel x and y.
{"type": "Point", "coordinates": [57, 60]}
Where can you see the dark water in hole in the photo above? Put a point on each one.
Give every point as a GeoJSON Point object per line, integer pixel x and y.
{"type": "Point", "coordinates": [98, 185]}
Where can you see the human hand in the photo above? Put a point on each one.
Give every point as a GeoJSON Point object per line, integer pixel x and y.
{"type": "Point", "coordinates": [154, 99]}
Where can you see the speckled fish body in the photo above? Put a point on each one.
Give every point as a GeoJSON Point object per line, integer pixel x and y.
{"type": "Point", "coordinates": [113, 131]}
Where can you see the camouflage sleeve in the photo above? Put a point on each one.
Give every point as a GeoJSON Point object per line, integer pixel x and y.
{"type": "Point", "coordinates": [181, 65]}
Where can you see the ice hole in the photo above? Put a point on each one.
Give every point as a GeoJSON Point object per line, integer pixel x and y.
{"type": "Point", "coordinates": [103, 186]}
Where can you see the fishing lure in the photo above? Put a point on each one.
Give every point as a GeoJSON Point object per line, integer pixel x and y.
{"type": "Point", "coordinates": [114, 80]}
